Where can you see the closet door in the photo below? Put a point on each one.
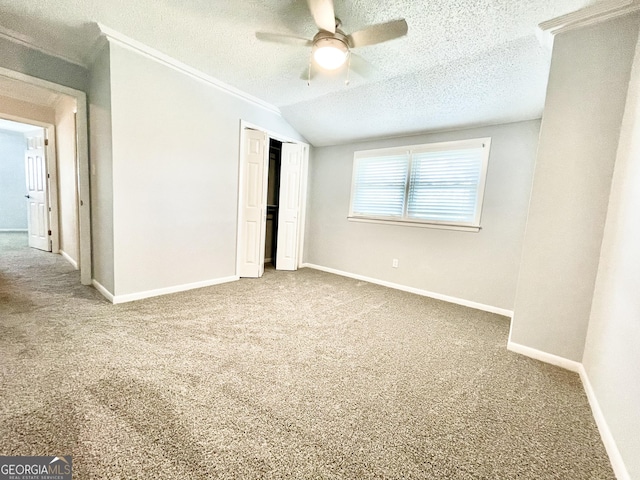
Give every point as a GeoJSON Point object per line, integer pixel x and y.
{"type": "Point", "coordinates": [289, 207]}
{"type": "Point", "coordinates": [253, 209]}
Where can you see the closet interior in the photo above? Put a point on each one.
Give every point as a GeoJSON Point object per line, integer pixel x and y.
{"type": "Point", "coordinates": [273, 196]}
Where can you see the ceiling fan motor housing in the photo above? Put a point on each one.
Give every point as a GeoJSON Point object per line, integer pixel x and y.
{"type": "Point", "coordinates": [330, 50]}
{"type": "Point", "coordinates": [338, 36]}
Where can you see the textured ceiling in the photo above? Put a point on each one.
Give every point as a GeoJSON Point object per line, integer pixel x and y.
{"type": "Point", "coordinates": [463, 62]}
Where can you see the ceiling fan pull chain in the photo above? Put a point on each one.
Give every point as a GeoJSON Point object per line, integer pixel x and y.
{"type": "Point", "coordinates": [309, 77]}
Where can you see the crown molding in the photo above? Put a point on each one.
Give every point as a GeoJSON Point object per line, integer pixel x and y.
{"type": "Point", "coordinates": [118, 38]}
{"type": "Point", "coordinates": [100, 42]}
{"type": "Point", "coordinates": [592, 15]}
{"type": "Point", "coordinates": [33, 44]}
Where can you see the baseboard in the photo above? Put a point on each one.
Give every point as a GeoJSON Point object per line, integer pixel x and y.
{"type": "Point", "coordinates": [562, 362]}
{"type": "Point", "coordinates": [267, 260]}
{"type": "Point", "coordinates": [69, 259]}
{"type": "Point", "coordinates": [130, 297]}
{"type": "Point", "coordinates": [617, 463]}
{"type": "Point", "coordinates": [105, 293]}
{"type": "Point", "coordinates": [12, 230]}
{"type": "Point", "coordinates": [417, 291]}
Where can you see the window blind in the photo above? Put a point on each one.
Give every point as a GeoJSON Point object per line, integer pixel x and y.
{"type": "Point", "coordinates": [380, 184]}
{"type": "Point", "coordinates": [440, 183]}
{"type": "Point", "coordinates": [444, 185]}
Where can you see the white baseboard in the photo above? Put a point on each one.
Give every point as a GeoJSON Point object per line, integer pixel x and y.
{"type": "Point", "coordinates": [545, 357]}
{"type": "Point", "coordinates": [130, 297]}
{"type": "Point", "coordinates": [617, 463]}
{"type": "Point", "coordinates": [69, 259]}
{"type": "Point", "coordinates": [160, 291]}
{"type": "Point", "coordinates": [267, 260]}
{"type": "Point", "coordinates": [417, 291]}
{"type": "Point", "coordinates": [105, 293]}
{"type": "Point", "coordinates": [10, 230]}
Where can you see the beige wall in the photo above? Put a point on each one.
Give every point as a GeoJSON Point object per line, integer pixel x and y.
{"type": "Point", "coordinates": [25, 110]}
{"type": "Point", "coordinates": [579, 136]}
{"type": "Point", "coordinates": [612, 351]}
{"type": "Point", "coordinates": [67, 177]}
{"type": "Point", "coordinates": [478, 267]}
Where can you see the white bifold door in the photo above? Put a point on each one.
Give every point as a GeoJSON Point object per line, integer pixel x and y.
{"type": "Point", "coordinates": [253, 208]}
{"type": "Point", "coordinates": [253, 205]}
{"type": "Point", "coordinates": [37, 192]}
{"type": "Point", "coordinates": [289, 207]}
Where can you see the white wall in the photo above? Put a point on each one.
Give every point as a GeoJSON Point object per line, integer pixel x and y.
{"type": "Point", "coordinates": [67, 177]}
{"type": "Point", "coordinates": [479, 267]}
{"type": "Point", "coordinates": [13, 206]}
{"type": "Point", "coordinates": [579, 136]}
{"type": "Point", "coordinates": [101, 171]}
{"type": "Point", "coordinates": [175, 174]}
{"type": "Point", "coordinates": [612, 353]}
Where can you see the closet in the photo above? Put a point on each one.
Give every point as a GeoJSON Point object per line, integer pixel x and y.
{"type": "Point", "coordinates": [273, 196]}
{"type": "Point", "coordinates": [271, 203]}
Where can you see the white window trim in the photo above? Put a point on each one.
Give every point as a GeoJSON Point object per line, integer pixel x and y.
{"type": "Point", "coordinates": [409, 223]}
{"type": "Point", "coordinates": [474, 226]}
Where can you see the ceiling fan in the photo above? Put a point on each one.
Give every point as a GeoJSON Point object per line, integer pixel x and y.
{"type": "Point", "coordinates": [331, 47]}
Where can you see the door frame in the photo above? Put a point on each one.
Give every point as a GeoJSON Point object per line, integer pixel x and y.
{"type": "Point", "coordinates": [303, 185]}
{"type": "Point", "coordinates": [82, 152]}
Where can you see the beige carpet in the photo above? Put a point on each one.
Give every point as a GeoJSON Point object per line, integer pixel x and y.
{"type": "Point", "coordinates": [295, 375]}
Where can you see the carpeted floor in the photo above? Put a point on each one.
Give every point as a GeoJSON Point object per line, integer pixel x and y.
{"type": "Point", "coordinates": [296, 375]}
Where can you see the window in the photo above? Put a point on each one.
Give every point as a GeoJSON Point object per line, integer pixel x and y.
{"type": "Point", "coordinates": [440, 184]}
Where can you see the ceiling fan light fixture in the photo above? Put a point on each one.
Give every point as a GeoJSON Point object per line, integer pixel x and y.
{"type": "Point", "coordinates": [330, 53]}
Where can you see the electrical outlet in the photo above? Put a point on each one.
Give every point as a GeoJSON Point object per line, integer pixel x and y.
{"type": "Point", "coordinates": [394, 264]}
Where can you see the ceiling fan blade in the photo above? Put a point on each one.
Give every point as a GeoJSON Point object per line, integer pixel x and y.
{"type": "Point", "coordinates": [378, 33]}
{"type": "Point", "coordinates": [323, 14]}
{"type": "Point", "coordinates": [360, 66]}
{"type": "Point", "coordinates": [285, 39]}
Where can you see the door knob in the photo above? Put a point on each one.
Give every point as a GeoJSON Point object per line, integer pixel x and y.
{"type": "Point", "coordinates": [27, 196]}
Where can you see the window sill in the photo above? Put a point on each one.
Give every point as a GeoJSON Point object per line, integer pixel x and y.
{"type": "Point", "coordinates": [405, 223]}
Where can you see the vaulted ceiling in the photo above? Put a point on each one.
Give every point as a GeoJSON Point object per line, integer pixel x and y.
{"type": "Point", "coordinates": [463, 62]}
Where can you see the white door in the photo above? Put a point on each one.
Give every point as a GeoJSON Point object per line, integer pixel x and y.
{"type": "Point", "coordinates": [253, 208]}
{"type": "Point", "coordinates": [38, 207]}
{"type": "Point", "coordinates": [289, 207]}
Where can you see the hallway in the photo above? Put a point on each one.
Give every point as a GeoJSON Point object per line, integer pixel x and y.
{"type": "Point", "coordinates": [31, 279]}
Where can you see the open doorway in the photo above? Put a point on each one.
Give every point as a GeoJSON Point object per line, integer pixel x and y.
{"type": "Point", "coordinates": [271, 202]}
{"type": "Point", "coordinates": [58, 158]}
{"type": "Point", "coordinates": [25, 193]}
